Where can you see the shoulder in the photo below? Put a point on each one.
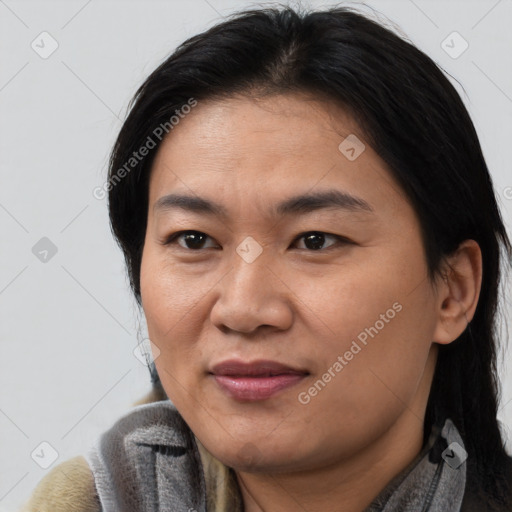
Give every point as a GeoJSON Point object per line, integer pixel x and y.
{"type": "Point", "coordinates": [68, 487]}
{"type": "Point", "coordinates": [71, 485]}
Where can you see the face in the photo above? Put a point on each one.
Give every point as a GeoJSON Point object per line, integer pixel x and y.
{"type": "Point", "coordinates": [332, 285]}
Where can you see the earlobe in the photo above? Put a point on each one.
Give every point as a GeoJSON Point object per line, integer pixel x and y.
{"type": "Point", "coordinates": [458, 292]}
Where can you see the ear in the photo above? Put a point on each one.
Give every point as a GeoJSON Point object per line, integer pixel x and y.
{"type": "Point", "coordinates": [457, 291]}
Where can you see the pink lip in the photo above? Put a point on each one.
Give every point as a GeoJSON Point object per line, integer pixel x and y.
{"type": "Point", "coordinates": [255, 381]}
{"type": "Point", "coordinates": [256, 388]}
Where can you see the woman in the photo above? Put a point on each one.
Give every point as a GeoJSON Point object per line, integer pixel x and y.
{"type": "Point", "coordinates": [311, 230]}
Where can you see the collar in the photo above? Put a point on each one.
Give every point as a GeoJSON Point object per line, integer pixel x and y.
{"type": "Point", "coordinates": [434, 481]}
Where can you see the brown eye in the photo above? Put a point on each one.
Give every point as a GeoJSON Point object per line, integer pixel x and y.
{"type": "Point", "coordinates": [315, 240]}
{"type": "Point", "coordinates": [193, 240]}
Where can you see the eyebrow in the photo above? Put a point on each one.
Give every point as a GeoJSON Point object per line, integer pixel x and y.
{"type": "Point", "coordinates": [301, 204]}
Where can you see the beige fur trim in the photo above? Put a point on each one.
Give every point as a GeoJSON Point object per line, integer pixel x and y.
{"type": "Point", "coordinates": [68, 487]}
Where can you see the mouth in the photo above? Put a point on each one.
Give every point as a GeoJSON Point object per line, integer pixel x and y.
{"type": "Point", "coordinates": [256, 380]}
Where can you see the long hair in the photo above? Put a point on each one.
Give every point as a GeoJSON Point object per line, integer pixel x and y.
{"type": "Point", "coordinates": [416, 122]}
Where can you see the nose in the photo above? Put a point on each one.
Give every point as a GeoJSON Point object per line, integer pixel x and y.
{"type": "Point", "coordinates": [252, 295]}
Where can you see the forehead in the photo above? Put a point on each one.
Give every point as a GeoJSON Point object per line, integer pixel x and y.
{"type": "Point", "coordinates": [265, 149]}
{"type": "Point", "coordinates": [276, 126]}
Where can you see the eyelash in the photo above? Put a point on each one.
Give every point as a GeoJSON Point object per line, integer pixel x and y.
{"type": "Point", "coordinates": [340, 240]}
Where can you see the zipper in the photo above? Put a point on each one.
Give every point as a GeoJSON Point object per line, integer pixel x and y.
{"type": "Point", "coordinates": [433, 486]}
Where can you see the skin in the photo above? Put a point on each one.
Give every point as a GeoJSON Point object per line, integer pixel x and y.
{"type": "Point", "coordinates": [296, 305]}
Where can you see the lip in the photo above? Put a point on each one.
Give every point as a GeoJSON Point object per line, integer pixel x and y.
{"type": "Point", "coordinates": [257, 368]}
{"type": "Point", "coordinates": [256, 380]}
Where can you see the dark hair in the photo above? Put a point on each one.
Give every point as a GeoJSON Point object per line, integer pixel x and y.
{"type": "Point", "coordinates": [412, 117]}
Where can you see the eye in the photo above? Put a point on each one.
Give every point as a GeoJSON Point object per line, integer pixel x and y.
{"type": "Point", "coordinates": [193, 240]}
{"type": "Point", "coordinates": [314, 240]}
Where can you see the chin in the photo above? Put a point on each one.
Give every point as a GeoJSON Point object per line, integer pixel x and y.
{"type": "Point", "coordinates": [249, 458]}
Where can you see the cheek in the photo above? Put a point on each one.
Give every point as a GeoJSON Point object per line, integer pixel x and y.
{"type": "Point", "coordinates": [356, 398]}
{"type": "Point", "coordinates": [168, 294]}
{"type": "Point", "coordinates": [374, 298]}
{"type": "Point", "coordinates": [380, 323]}
{"type": "Point", "coordinates": [169, 302]}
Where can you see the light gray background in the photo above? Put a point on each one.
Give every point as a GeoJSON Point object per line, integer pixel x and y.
{"type": "Point", "coordinates": [69, 326]}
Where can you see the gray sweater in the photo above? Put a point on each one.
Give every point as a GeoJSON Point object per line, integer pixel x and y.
{"type": "Point", "coordinates": [148, 461]}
